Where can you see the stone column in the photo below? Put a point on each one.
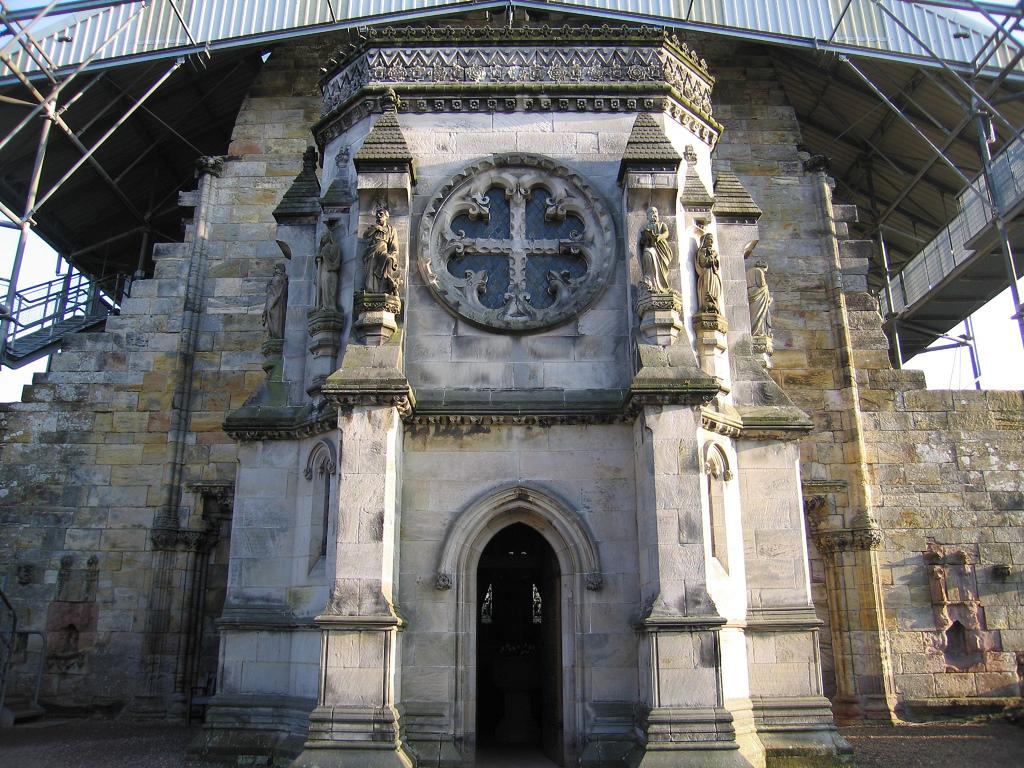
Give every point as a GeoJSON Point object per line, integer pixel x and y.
{"type": "Point", "coordinates": [864, 686]}
{"type": "Point", "coordinates": [864, 677]}
{"type": "Point", "coordinates": [681, 651]}
{"type": "Point", "coordinates": [355, 722]}
{"type": "Point", "coordinates": [163, 640]}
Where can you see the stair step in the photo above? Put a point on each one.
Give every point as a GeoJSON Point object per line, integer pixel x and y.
{"type": "Point", "coordinates": [31, 347]}
{"type": "Point", "coordinates": [22, 708]}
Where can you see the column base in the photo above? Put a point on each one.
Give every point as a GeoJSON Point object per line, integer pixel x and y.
{"type": "Point", "coordinates": [352, 736]}
{"type": "Point", "coordinates": [364, 757]}
{"type": "Point", "coordinates": [253, 726]}
{"type": "Point", "coordinates": [375, 317]}
{"type": "Point", "coordinates": [701, 738]}
{"type": "Point", "coordinates": [798, 732]}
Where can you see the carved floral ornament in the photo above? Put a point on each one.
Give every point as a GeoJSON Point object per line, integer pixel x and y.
{"type": "Point", "coordinates": [516, 243]}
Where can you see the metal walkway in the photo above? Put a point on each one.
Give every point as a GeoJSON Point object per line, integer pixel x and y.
{"type": "Point", "coordinates": [962, 268]}
{"type": "Point", "coordinates": [96, 32]}
{"type": "Point", "coordinates": [44, 315]}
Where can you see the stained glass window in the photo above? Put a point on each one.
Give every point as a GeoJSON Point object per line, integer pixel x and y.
{"type": "Point", "coordinates": [487, 609]}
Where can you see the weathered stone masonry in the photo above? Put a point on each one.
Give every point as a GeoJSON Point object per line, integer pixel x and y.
{"type": "Point", "coordinates": [915, 499]}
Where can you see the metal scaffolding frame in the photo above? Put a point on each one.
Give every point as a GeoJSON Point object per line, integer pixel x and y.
{"type": "Point", "coordinates": [971, 85]}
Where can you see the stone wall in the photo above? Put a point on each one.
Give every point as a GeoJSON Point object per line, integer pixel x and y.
{"type": "Point", "coordinates": [85, 456]}
{"type": "Point", "coordinates": [948, 469]}
{"type": "Point", "coordinates": [943, 468]}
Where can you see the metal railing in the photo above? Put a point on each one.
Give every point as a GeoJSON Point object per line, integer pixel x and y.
{"type": "Point", "coordinates": [948, 249]}
{"type": "Point", "coordinates": [8, 632]}
{"type": "Point", "coordinates": [44, 306]}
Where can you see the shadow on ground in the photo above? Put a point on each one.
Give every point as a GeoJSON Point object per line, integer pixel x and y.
{"type": "Point", "coordinates": [108, 744]}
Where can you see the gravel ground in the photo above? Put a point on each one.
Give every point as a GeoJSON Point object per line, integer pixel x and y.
{"type": "Point", "coordinates": [982, 744]}
{"type": "Point", "coordinates": [106, 744]}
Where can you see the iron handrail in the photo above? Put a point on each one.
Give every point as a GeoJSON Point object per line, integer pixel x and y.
{"type": "Point", "coordinates": [948, 249]}
{"type": "Point", "coordinates": [63, 298]}
{"type": "Point", "coordinates": [6, 643]}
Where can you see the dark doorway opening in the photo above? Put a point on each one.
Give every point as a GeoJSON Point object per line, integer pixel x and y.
{"type": "Point", "coordinates": [519, 652]}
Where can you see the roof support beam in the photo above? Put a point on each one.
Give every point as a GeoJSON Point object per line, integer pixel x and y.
{"type": "Point", "coordinates": [964, 122]}
{"type": "Point", "coordinates": [88, 153]}
{"type": "Point", "coordinates": [917, 39]}
{"type": "Point", "coordinates": [60, 86]}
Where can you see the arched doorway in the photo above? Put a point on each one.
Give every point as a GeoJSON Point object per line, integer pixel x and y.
{"type": "Point", "coordinates": [519, 647]}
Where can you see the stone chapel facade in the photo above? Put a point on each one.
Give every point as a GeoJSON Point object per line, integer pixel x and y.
{"type": "Point", "coordinates": [513, 387]}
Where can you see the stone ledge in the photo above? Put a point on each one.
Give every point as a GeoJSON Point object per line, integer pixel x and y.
{"type": "Point", "coordinates": [281, 422]}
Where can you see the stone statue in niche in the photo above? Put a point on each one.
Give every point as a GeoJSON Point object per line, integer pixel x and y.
{"type": "Point", "coordinates": [276, 303]}
{"type": "Point", "coordinates": [760, 299]}
{"type": "Point", "coordinates": [380, 259]}
{"type": "Point", "coordinates": [709, 276]}
{"type": "Point", "coordinates": [655, 254]}
{"type": "Point", "coordinates": [328, 269]}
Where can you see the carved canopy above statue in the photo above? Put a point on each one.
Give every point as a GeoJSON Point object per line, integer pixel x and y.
{"type": "Point", "coordinates": [517, 243]}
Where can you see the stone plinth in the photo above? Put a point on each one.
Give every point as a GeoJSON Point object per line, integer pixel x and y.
{"type": "Point", "coordinates": [273, 361]}
{"type": "Point", "coordinates": [712, 343]}
{"type": "Point", "coordinates": [763, 349]}
{"type": "Point", "coordinates": [660, 322]}
{"type": "Point", "coordinates": [375, 317]}
{"type": "Point", "coordinates": [325, 327]}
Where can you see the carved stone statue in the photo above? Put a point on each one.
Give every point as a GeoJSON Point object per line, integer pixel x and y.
{"type": "Point", "coordinates": [380, 259]}
{"type": "Point", "coordinates": [709, 276]}
{"type": "Point", "coordinates": [655, 254]}
{"type": "Point", "coordinates": [760, 299]}
{"type": "Point", "coordinates": [328, 269]}
{"type": "Point", "coordinates": [277, 303]}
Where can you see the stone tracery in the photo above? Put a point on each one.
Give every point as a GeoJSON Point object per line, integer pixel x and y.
{"type": "Point", "coordinates": [516, 243]}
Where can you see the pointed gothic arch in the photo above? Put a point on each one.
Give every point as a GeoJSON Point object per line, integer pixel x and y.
{"type": "Point", "coordinates": [563, 528]}
{"type": "Point", "coordinates": [579, 564]}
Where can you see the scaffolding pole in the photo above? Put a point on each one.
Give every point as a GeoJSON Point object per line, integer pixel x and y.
{"type": "Point", "coordinates": [983, 122]}
{"type": "Point", "coordinates": [25, 228]}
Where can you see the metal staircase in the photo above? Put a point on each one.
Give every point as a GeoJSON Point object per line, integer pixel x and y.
{"type": "Point", "coordinates": [43, 315]}
{"type": "Point", "coordinates": [17, 707]}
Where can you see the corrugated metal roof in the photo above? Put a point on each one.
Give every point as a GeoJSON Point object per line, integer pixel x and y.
{"type": "Point", "coordinates": [883, 28]}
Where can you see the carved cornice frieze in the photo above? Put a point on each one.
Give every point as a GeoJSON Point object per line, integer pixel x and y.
{"type": "Point", "coordinates": [721, 423]}
{"type": "Point", "coordinates": [255, 429]}
{"type": "Point", "coordinates": [525, 33]}
{"type": "Point", "coordinates": [403, 402]}
{"type": "Point", "coordinates": [520, 420]}
{"type": "Point", "coordinates": [523, 69]}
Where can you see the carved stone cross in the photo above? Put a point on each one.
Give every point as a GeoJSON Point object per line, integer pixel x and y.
{"type": "Point", "coordinates": [519, 242]}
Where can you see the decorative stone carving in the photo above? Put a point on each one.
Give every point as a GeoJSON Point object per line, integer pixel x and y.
{"type": "Point", "coordinates": [962, 635]}
{"type": "Point", "coordinates": [657, 306]}
{"type": "Point", "coordinates": [380, 255]}
{"type": "Point", "coordinates": [760, 299]}
{"type": "Point", "coordinates": [641, 58]}
{"type": "Point", "coordinates": [516, 242]}
{"type": "Point", "coordinates": [328, 268]}
{"type": "Point", "coordinates": [443, 581]}
{"type": "Point", "coordinates": [276, 304]}
{"type": "Point", "coordinates": [377, 305]}
{"type": "Point", "coordinates": [709, 276]}
{"type": "Point", "coordinates": [325, 321]}
{"type": "Point", "coordinates": [655, 254]}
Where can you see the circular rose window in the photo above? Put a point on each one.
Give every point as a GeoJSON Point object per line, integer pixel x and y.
{"type": "Point", "coordinates": [516, 243]}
